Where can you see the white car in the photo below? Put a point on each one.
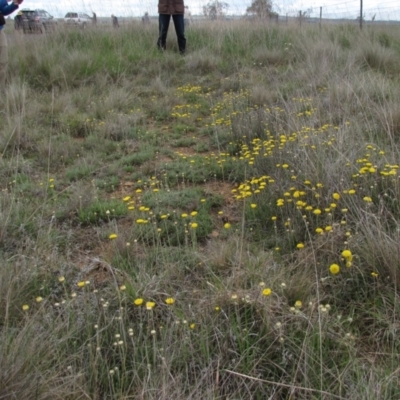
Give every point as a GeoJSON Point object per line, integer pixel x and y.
{"type": "Point", "coordinates": [77, 19]}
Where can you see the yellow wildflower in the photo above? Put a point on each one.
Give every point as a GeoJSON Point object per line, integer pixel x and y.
{"type": "Point", "coordinates": [138, 301]}
{"type": "Point", "coordinates": [267, 292]}
{"type": "Point", "coordinates": [150, 305]}
{"type": "Point", "coordinates": [334, 269]}
{"type": "Point", "coordinates": [346, 254]}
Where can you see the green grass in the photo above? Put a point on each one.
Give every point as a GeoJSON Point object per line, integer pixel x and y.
{"type": "Point", "coordinates": [228, 180]}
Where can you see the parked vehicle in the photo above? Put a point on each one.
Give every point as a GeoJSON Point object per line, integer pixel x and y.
{"type": "Point", "coordinates": [77, 19]}
{"type": "Point", "coordinates": [34, 21]}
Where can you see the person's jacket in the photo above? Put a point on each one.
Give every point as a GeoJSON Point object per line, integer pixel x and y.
{"type": "Point", "coordinates": [6, 9]}
{"type": "Point", "coordinates": [171, 7]}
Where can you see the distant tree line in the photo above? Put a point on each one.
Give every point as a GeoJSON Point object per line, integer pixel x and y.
{"type": "Point", "coordinates": [259, 8]}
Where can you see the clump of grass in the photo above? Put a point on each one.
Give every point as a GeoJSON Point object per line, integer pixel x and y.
{"type": "Point", "coordinates": [102, 211]}
{"type": "Point", "coordinates": [204, 62]}
{"type": "Point", "coordinates": [276, 57]}
{"type": "Point", "coordinates": [379, 58]}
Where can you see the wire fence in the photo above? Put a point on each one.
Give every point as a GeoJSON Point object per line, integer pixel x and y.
{"type": "Point", "coordinates": [311, 10]}
{"type": "Point", "coordinates": [372, 10]}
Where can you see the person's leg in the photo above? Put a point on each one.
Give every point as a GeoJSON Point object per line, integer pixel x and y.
{"type": "Point", "coordinates": [163, 24]}
{"type": "Point", "coordinates": [3, 59]}
{"type": "Point", "coordinates": [180, 32]}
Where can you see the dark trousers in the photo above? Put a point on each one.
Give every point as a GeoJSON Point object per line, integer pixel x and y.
{"type": "Point", "coordinates": [163, 25]}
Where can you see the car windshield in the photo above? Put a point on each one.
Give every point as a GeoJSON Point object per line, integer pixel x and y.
{"type": "Point", "coordinates": [44, 14]}
{"type": "Point", "coordinates": [71, 15]}
{"type": "Point", "coordinates": [29, 13]}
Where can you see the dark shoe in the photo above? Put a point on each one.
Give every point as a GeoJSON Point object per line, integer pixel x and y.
{"type": "Point", "coordinates": [161, 47]}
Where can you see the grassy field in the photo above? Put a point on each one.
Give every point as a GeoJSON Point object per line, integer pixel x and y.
{"type": "Point", "coordinates": [224, 225]}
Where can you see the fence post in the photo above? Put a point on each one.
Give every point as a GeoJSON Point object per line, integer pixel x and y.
{"type": "Point", "coordinates": [320, 17]}
{"type": "Point", "coordinates": [361, 13]}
